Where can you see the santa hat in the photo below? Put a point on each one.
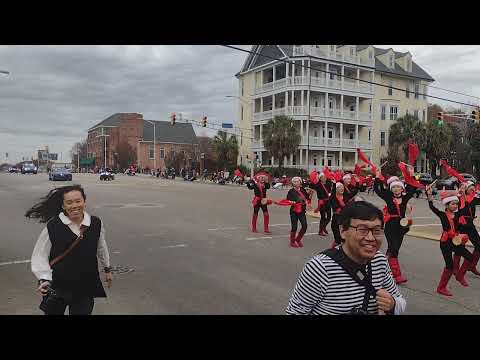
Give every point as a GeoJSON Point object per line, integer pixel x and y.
{"type": "Point", "coordinates": [321, 174]}
{"type": "Point", "coordinates": [391, 179]}
{"type": "Point", "coordinates": [296, 178]}
{"type": "Point", "coordinates": [448, 196]}
{"type": "Point", "coordinates": [347, 176]}
{"type": "Point", "coordinates": [397, 183]}
{"type": "Point", "coordinates": [469, 183]}
{"type": "Point", "coordinates": [338, 184]}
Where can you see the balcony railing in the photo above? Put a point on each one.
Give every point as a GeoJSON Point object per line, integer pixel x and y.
{"type": "Point", "coordinates": [314, 112]}
{"type": "Point", "coordinates": [306, 50]}
{"type": "Point", "coordinates": [320, 141]}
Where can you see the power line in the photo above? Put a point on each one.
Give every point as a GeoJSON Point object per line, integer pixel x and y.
{"type": "Point", "coordinates": [455, 92]}
{"type": "Point", "coordinates": [345, 76]}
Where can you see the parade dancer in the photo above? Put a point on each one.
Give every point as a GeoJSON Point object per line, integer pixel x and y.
{"type": "Point", "coordinates": [323, 188]}
{"type": "Point", "coordinates": [260, 186]}
{"type": "Point", "coordinates": [396, 222]}
{"type": "Point", "coordinates": [337, 202]}
{"type": "Point", "coordinates": [298, 199]}
{"type": "Point", "coordinates": [351, 188]}
{"type": "Point", "coordinates": [468, 202]}
{"type": "Point", "coordinates": [451, 241]}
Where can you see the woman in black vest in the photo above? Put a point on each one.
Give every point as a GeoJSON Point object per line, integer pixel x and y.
{"type": "Point", "coordinates": [75, 277]}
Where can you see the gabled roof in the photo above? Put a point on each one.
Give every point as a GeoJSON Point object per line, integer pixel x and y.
{"type": "Point", "coordinates": [180, 133]}
{"type": "Point", "coordinates": [112, 120]}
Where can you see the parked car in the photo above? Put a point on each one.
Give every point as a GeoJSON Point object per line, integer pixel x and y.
{"type": "Point", "coordinates": [469, 177]}
{"type": "Point", "coordinates": [29, 169]}
{"type": "Point", "coordinates": [106, 174]}
{"type": "Point", "coordinates": [450, 183]}
{"type": "Point", "coordinates": [60, 174]}
{"type": "Point", "coordinates": [13, 169]}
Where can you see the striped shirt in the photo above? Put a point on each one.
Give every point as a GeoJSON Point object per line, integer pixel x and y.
{"type": "Point", "coordinates": [324, 288]}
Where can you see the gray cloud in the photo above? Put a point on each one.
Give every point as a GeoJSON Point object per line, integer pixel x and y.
{"type": "Point", "coordinates": [55, 93]}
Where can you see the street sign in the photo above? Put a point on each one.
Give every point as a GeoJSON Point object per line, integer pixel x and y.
{"type": "Point", "coordinates": [227, 126]}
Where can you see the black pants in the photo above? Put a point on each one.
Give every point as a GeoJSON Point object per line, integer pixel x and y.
{"type": "Point", "coordinates": [472, 233]}
{"type": "Point", "coordinates": [448, 248]}
{"type": "Point", "coordinates": [78, 306]}
{"type": "Point", "coordinates": [394, 233]}
{"type": "Point", "coordinates": [295, 218]}
{"type": "Point", "coordinates": [336, 229]}
{"type": "Point", "coordinates": [257, 207]}
{"type": "Point", "coordinates": [325, 216]}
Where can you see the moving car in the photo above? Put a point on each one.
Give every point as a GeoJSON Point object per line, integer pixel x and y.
{"type": "Point", "coordinates": [29, 169]}
{"type": "Point", "coordinates": [106, 174]}
{"type": "Point", "coordinates": [13, 169]}
{"type": "Point", "coordinates": [60, 174]}
{"type": "Point", "coordinates": [450, 183]}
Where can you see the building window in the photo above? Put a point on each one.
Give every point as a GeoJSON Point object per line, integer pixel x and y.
{"type": "Point", "coordinates": [415, 113]}
{"type": "Point", "coordinates": [162, 153]}
{"type": "Point", "coordinates": [407, 112]}
{"type": "Point", "coordinates": [369, 135]}
{"type": "Point", "coordinates": [407, 91]}
{"type": "Point", "coordinates": [151, 152]}
{"type": "Point", "coordinates": [390, 88]}
{"type": "Point", "coordinates": [314, 160]}
{"type": "Point", "coordinates": [383, 110]}
{"type": "Point", "coordinates": [241, 112]}
{"type": "Point", "coordinates": [424, 92]}
{"type": "Point", "coordinates": [370, 108]}
{"type": "Point", "coordinates": [417, 88]}
{"type": "Point", "coordinates": [382, 138]}
{"type": "Point", "coordinates": [393, 112]}
{"type": "Point", "coordinates": [241, 84]}
{"type": "Point", "coordinates": [352, 51]}
{"type": "Point", "coordinates": [391, 61]}
{"type": "Point", "coordinates": [423, 115]}
{"type": "Point", "coordinates": [370, 54]}
{"type": "Point", "coordinates": [332, 48]}
{"type": "Point", "coordinates": [294, 160]}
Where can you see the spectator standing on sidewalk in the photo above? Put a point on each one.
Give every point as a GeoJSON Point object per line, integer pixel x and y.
{"type": "Point", "coordinates": [74, 278]}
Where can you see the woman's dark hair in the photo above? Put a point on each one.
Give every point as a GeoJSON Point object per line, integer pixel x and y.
{"type": "Point", "coordinates": [51, 205]}
{"type": "Point", "coordinates": [361, 210]}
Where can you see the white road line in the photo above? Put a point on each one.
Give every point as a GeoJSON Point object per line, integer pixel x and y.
{"type": "Point", "coordinates": [15, 262]}
{"type": "Point", "coordinates": [236, 228]}
{"type": "Point", "coordinates": [275, 236]}
{"type": "Point", "coordinates": [437, 224]}
{"type": "Point", "coordinates": [173, 246]}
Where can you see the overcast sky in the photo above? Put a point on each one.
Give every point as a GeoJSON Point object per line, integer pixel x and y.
{"type": "Point", "coordinates": [55, 93]}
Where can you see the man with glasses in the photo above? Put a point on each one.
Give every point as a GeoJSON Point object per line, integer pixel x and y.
{"type": "Point", "coordinates": [353, 278]}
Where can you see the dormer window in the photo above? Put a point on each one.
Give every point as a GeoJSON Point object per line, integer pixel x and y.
{"type": "Point", "coordinates": [332, 48]}
{"type": "Point", "coordinates": [352, 51]}
{"type": "Point", "coordinates": [370, 54]}
{"type": "Point", "coordinates": [391, 61]}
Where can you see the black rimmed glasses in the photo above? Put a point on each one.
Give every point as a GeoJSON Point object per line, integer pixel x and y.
{"type": "Point", "coordinates": [363, 231]}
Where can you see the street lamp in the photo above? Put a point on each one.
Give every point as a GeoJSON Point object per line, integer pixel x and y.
{"type": "Point", "coordinates": [154, 145]}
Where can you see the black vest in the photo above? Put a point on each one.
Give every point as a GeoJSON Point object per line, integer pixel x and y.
{"type": "Point", "coordinates": [77, 274]}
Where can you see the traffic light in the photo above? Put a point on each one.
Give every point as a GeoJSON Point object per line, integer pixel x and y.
{"type": "Point", "coordinates": [475, 116]}
{"type": "Point", "coordinates": [440, 118]}
{"type": "Point", "coordinates": [173, 118]}
{"type": "Point", "coordinates": [204, 121]}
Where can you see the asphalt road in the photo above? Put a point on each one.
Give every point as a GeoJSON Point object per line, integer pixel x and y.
{"type": "Point", "coordinates": [189, 250]}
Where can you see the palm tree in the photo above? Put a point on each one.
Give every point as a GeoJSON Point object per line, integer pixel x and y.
{"type": "Point", "coordinates": [281, 138]}
{"type": "Point", "coordinates": [226, 149]}
{"type": "Point", "coordinates": [405, 129]}
{"type": "Point", "coordinates": [437, 142]}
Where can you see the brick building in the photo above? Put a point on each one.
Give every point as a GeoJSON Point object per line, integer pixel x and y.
{"type": "Point", "coordinates": [104, 138]}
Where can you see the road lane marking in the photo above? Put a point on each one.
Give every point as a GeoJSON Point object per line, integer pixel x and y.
{"type": "Point", "coordinates": [276, 236]}
{"type": "Point", "coordinates": [173, 246]}
{"type": "Point", "coordinates": [14, 262]}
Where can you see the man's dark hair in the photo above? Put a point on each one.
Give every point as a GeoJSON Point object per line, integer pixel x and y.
{"type": "Point", "coordinates": [51, 205]}
{"type": "Point", "coordinates": [361, 210]}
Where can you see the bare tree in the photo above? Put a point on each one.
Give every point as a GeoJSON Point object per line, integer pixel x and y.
{"type": "Point", "coordinates": [125, 155]}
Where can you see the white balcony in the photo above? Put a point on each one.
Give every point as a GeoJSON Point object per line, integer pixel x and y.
{"type": "Point", "coordinates": [312, 51]}
{"type": "Point", "coordinates": [320, 141]}
{"type": "Point", "coordinates": [314, 112]}
{"type": "Point", "coordinates": [349, 143]}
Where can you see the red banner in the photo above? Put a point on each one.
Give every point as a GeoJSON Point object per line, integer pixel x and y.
{"type": "Point", "coordinates": [451, 171]}
{"type": "Point", "coordinates": [364, 158]}
{"type": "Point", "coordinates": [328, 173]}
{"type": "Point", "coordinates": [314, 177]}
{"type": "Point", "coordinates": [409, 179]}
{"type": "Point", "coordinates": [413, 152]}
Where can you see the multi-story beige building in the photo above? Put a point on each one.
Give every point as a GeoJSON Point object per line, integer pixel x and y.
{"type": "Point", "coordinates": [334, 114]}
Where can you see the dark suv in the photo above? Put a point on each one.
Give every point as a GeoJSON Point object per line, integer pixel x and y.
{"type": "Point", "coordinates": [29, 169]}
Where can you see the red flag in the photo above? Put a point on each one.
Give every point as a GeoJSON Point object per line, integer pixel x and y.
{"type": "Point", "coordinates": [314, 177]}
{"type": "Point", "coordinates": [451, 171]}
{"type": "Point", "coordinates": [328, 173]}
{"type": "Point", "coordinates": [410, 180]}
{"type": "Point", "coordinates": [284, 202]}
{"type": "Point", "coordinates": [358, 169]}
{"type": "Point", "coordinates": [413, 152]}
{"type": "Point", "coordinates": [238, 173]}
{"type": "Point", "coordinates": [338, 175]}
{"type": "Point", "coordinates": [364, 158]}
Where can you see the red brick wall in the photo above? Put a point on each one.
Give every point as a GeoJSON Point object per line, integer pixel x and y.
{"type": "Point", "coordinates": [145, 161]}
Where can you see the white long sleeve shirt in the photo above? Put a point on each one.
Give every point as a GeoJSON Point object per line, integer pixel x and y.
{"type": "Point", "coordinates": [41, 252]}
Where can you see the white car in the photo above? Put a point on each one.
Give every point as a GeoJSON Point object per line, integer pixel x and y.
{"type": "Point", "coordinates": [106, 175]}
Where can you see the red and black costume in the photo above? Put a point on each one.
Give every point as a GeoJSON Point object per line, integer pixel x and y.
{"type": "Point", "coordinates": [300, 199]}
{"type": "Point", "coordinates": [337, 202]}
{"type": "Point", "coordinates": [351, 190]}
{"type": "Point", "coordinates": [324, 191]}
{"type": "Point", "coordinates": [393, 212]}
{"type": "Point", "coordinates": [450, 229]}
{"type": "Point", "coordinates": [466, 212]}
{"type": "Point", "coordinates": [260, 191]}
